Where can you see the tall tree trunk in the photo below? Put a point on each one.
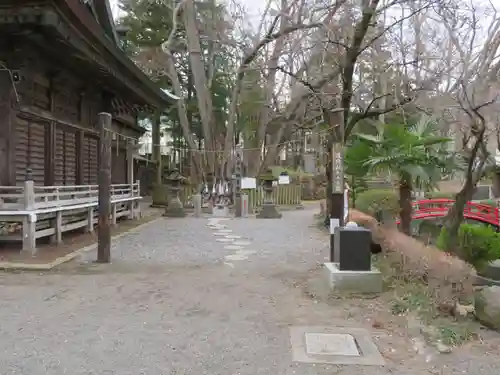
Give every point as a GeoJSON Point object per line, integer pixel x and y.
{"type": "Point", "coordinates": [406, 210]}
{"type": "Point", "coordinates": [455, 215]}
{"type": "Point", "coordinates": [203, 94]}
{"type": "Point", "coordinates": [173, 75]}
{"type": "Point", "coordinates": [156, 147]}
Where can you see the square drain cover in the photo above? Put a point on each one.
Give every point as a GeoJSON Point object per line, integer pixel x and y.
{"type": "Point", "coordinates": [331, 344]}
{"type": "Point", "coordinates": [334, 345]}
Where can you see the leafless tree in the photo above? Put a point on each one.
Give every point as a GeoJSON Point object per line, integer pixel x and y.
{"type": "Point", "coordinates": [468, 90]}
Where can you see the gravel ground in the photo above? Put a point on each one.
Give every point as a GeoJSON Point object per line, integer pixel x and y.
{"type": "Point", "coordinates": [172, 303]}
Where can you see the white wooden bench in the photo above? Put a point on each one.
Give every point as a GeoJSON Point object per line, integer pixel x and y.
{"type": "Point", "coordinates": [49, 211]}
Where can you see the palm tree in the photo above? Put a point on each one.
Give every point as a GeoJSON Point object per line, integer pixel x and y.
{"type": "Point", "coordinates": [413, 153]}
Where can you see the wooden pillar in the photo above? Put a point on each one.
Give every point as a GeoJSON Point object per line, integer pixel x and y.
{"type": "Point", "coordinates": [7, 148]}
{"type": "Point", "coordinates": [104, 236]}
{"type": "Point", "coordinates": [130, 162]}
{"type": "Point", "coordinates": [50, 139]}
{"type": "Point", "coordinates": [83, 118]}
{"type": "Point", "coordinates": [79, 158]}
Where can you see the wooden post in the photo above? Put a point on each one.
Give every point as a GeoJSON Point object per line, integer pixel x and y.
{"type": "Point", "coordinates": [104, 235]}
{"type": "Point", "coordinates": [90, 219]}
{"type": "Point", "coordinates": [137, 202]}
{"type": "Point", "coordinates": [29, 221]}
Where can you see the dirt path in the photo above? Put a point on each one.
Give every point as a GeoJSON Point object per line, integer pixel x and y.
{"type": "Point", "coordinates": [180, 300]}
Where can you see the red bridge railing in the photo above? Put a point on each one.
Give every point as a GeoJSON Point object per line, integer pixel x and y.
{"type": "Point", "coordinates": [428, 208]}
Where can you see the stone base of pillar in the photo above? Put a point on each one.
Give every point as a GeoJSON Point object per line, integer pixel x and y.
{"type": "Point", "coordinates": [238, 208]}
{"type": "Point", "coordinates": [269, 211]}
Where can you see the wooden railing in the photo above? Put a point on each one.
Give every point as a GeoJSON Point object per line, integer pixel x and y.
{"type": "Point", "coordinates": [52, 210]}
{"type": "Point", "coordinates": [283, 195]}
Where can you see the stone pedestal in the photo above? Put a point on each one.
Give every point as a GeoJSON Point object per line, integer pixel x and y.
{"type": "Point", "coordinates": [352, 281]}
{"type": "Point", "coordinates": [269, 211]}
{"type": "Point", "coordinates": [197, 205]}
{"type": "Point", "coordinates": [175, 208]}
{"type": "Point", "coordinates": [350, 269]}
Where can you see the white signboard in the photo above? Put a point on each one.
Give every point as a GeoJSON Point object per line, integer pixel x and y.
{"type": "Point", "coordinates": [334, 223]}
{"type": "Point", "coordinates": [284, 180]}
{"type": "Point", "coordinates": [248, 183]}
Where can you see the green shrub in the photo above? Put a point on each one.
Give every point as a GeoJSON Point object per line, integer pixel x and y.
{"type": "Point", "coordinates": [373, 201]}
{"type": "Point", "coordinates": [276, 170]}
{"type": "Point", "coordinates": [443, 240]}
{"type": "Point", "coordinates": [489, 202]}
{"type": "Point", "coordinates": [439, 195]}
{"type": "Point", "coordinates": [478, 244]}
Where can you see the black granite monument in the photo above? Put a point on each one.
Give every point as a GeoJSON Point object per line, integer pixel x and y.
{"type": "Point", "coordinates": [352, 248]}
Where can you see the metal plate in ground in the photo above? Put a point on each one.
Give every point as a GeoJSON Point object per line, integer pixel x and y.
{"type": "Point", "coordinates": [334, 345]}
{"type": "Point", "coordinates": [330, 344]}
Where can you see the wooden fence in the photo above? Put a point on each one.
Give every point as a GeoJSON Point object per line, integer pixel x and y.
{"type": "Point", "coordinates": [283, 195]}
{"type": "Point", "coordinates": [52, 210]}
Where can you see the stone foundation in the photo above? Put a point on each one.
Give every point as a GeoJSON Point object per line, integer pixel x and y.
{"type": "Point", "coordinates": [352, 281]}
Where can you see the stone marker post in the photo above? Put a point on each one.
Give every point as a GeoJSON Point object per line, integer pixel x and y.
{"type": "Point", "coordinates": [352, 250]}
{"type": "Point", "coordinates": [29, 221]}
{"type": "Point", "coordinates": [244, 205]}
{"type": "Point", "coordinates": [337, 186]}
{"type": "Point", "coordinates": [175, 207]}
{"type": "Point", "coordinates": [197, 204]}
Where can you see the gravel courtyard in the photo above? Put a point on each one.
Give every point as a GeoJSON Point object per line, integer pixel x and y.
{"type": "Point", "coordinates": [182, 297]}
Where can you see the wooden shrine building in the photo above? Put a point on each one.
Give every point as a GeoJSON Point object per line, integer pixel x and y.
{"type": "Point", "coordinates": [60, 65]}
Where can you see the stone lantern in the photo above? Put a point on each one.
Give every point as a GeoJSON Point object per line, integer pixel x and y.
{"type": "Point", "coordinates": [269, 209]}
{"type": "Point", "coordinates": [174, 181]}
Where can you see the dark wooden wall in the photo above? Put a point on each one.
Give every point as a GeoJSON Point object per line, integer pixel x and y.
{"type": "Point", "coordinates": [52, 129]}
{"type": "Point", "coordinates": [6, 98]}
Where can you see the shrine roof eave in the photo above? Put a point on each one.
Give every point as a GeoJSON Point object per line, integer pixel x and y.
{"type": "Point", "coordinates": [91, 30]}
